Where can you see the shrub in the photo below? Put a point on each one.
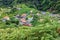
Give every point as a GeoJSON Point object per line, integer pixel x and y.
{"type": "Point", "coordinates": [51, 5]}
{"type": "Point", "coordinates": [29, 33]}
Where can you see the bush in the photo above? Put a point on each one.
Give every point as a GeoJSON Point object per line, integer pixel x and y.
{"type": "Point", "coordinates": [51, 5]}
{"type": "Point", "coordinates": [29, 33]}
{"type": "Point", "coordinates": [48, 29]}
{"type": "Point", "coordinates": [44, 27]}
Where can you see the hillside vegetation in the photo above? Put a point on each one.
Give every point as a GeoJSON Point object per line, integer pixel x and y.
{"type": "Point", "coordinates": [44, 26]}
{"type": "Point", "coordinates": [45, 5]}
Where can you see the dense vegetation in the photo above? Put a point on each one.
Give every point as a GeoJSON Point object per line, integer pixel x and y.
{"type": "Point", "coordinates": [44, 26]}
{"type": "Point", "coordinates": [45, 5]}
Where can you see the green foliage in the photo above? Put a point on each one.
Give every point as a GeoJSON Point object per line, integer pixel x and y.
{"type": "Point", "coordinates": [29, 33]}
{"type": "Point", "coordinates": [51, 5]}
{"type": "Point", "coordinates": [44, 27]}
{"type": "Point", "coordinates": [35, 20]}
